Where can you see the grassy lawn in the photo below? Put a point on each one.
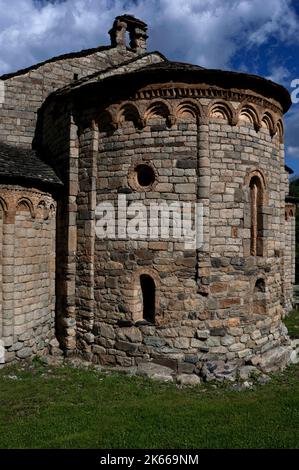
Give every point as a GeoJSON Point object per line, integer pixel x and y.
{"type": "Point", "coordinates": [292, 323]}
{"type": "Point", "coordinates": [42, 407]}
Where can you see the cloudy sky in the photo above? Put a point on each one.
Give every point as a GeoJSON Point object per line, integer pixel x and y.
{"type": "Point", "coordinates": [258, 36]}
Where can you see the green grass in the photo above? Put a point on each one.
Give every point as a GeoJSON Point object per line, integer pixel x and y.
{"type": "Point", "coordinates": [292, 323]}
{"type": "Point", "coordinates": [41, 407]}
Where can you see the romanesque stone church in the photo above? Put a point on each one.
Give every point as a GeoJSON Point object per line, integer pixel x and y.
{"type": "Point", "coordinates": [117, 121]}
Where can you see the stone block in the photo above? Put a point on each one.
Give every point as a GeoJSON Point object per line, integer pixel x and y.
{"type": "Point", "coordinates": [132, 334]}
{"type": "Point", "coordinates": [107, 331]}
{"type": "Point", "coordinates": [155, 372]}
{"type": "Point", "coordinates": [181, 343]}
{"type": "Point", "coordinates": [154, 341]}
{"type": "Point", "coordinates": [24, 353]}
{"type": "Point", "coordinates": [186, 368]}
{"type": "Point", "coordinates": [189, 380]}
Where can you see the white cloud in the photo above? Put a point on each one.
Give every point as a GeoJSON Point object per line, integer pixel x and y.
{"type": "Point", "coordinates": [207, 32]}
{"type": "Point", "coordinates": [279, 74]}
{"type": "Point", "coordinates": [293, 151]}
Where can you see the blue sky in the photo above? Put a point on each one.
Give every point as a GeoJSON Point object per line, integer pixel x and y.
{"type": "Point", "coordinates": [256, 36]}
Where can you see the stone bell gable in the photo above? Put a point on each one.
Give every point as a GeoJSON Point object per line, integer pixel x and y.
{"type": "Point", "coordinates": [147, 130]}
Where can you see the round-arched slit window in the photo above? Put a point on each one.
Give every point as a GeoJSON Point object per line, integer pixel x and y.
{"type": "Point", "coordinates": [148, 290]}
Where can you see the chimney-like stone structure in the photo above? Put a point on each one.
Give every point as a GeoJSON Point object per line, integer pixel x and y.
{"type": "Point", "coordinates": [137, 30]}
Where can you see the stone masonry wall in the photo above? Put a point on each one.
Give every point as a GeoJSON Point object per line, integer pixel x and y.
{"type": "Point", "coordinates": [247, 289]}
{"type": "Point", "coordinates": [28, 266]}
{"type": "Point", "coordinates": [172, 153]}
{"type": "Point", "coordinates": [60, 136]}
{"type": "Point", "coordinates": [122, 300]}
{"type": "Point", "coordinates": [21, 95]}
{"type": "Point", "coordinates": [243, 318]}
{"type": "Point", "coordinates": [290, 250]}
{"type": "Point", "coordinates": [220, 302]}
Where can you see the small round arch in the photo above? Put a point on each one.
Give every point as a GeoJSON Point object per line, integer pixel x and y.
{"type": "Point", "coordinates": [3, 205]}
{"type": "Point", "coordinates": [280, 130]}
{"type": "Point", "coordinates": [52, 210]}
{"type": "Point", "coordinates": [256, 172]}
{"type": "Point", "coordinates": [157, 109]}
{"type": "Point", "coordinates": [221, 110]}
{"type": "Point", "coordinates": [268, 122]}
{"type": "Point", "coordinates": [188, 110]}
{"type": "Point", "coordinates": [25, 203]}
{"type": "Point", "coordinates": [248, 113]}
{"type": "Point", "coordinates": [106, 122]}
{"type": "Point", "coordinates": [42, 211]}
{"type": "Point", "coordinates": [129, 112]}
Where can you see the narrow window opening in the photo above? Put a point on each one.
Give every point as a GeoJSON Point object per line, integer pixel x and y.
{"type": "Point", "coordinates": [256, 203]}
{"type": "Point", "coordinates": [260, 286]}
{"type": "Point", "coordinates": [148, 290]}
{"type": "Point", "coordinates": [259, 299]}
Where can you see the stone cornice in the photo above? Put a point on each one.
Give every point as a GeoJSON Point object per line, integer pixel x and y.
{"type": "Point", "coordinates": [180, 90]}
{"type": "Point", "coordinates": [36, 201]}
{"type": "Point", "coordinates": [175, 102]}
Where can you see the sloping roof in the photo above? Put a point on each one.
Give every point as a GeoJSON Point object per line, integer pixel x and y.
{"type": "Point", "coordinates": [95, 77]}
{"type": "Point", "coordinates": [168, 71]}
{"type": "Point", "coordinates": [112, 70]}
{"type": "Point", "coordinates": [172, 65]}
{"type": "Point", "coordinates": [217, 77]}
{"type": "Point", "coordinates": [24, 164]}
{"type": "Point", "coordinates": [70, 55]}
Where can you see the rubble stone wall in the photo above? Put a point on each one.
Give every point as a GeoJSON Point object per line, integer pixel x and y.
{"type": "Point", "coordinates": [222, 301]}
{"type": "Point", "coordinates": [27, 287]}
{"type": "Point", "coordinates": [27, 320]}
{"type": "Point", "coordinates": [290, 251]}
{"type": "Point", "coordinates": [22, 94]}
